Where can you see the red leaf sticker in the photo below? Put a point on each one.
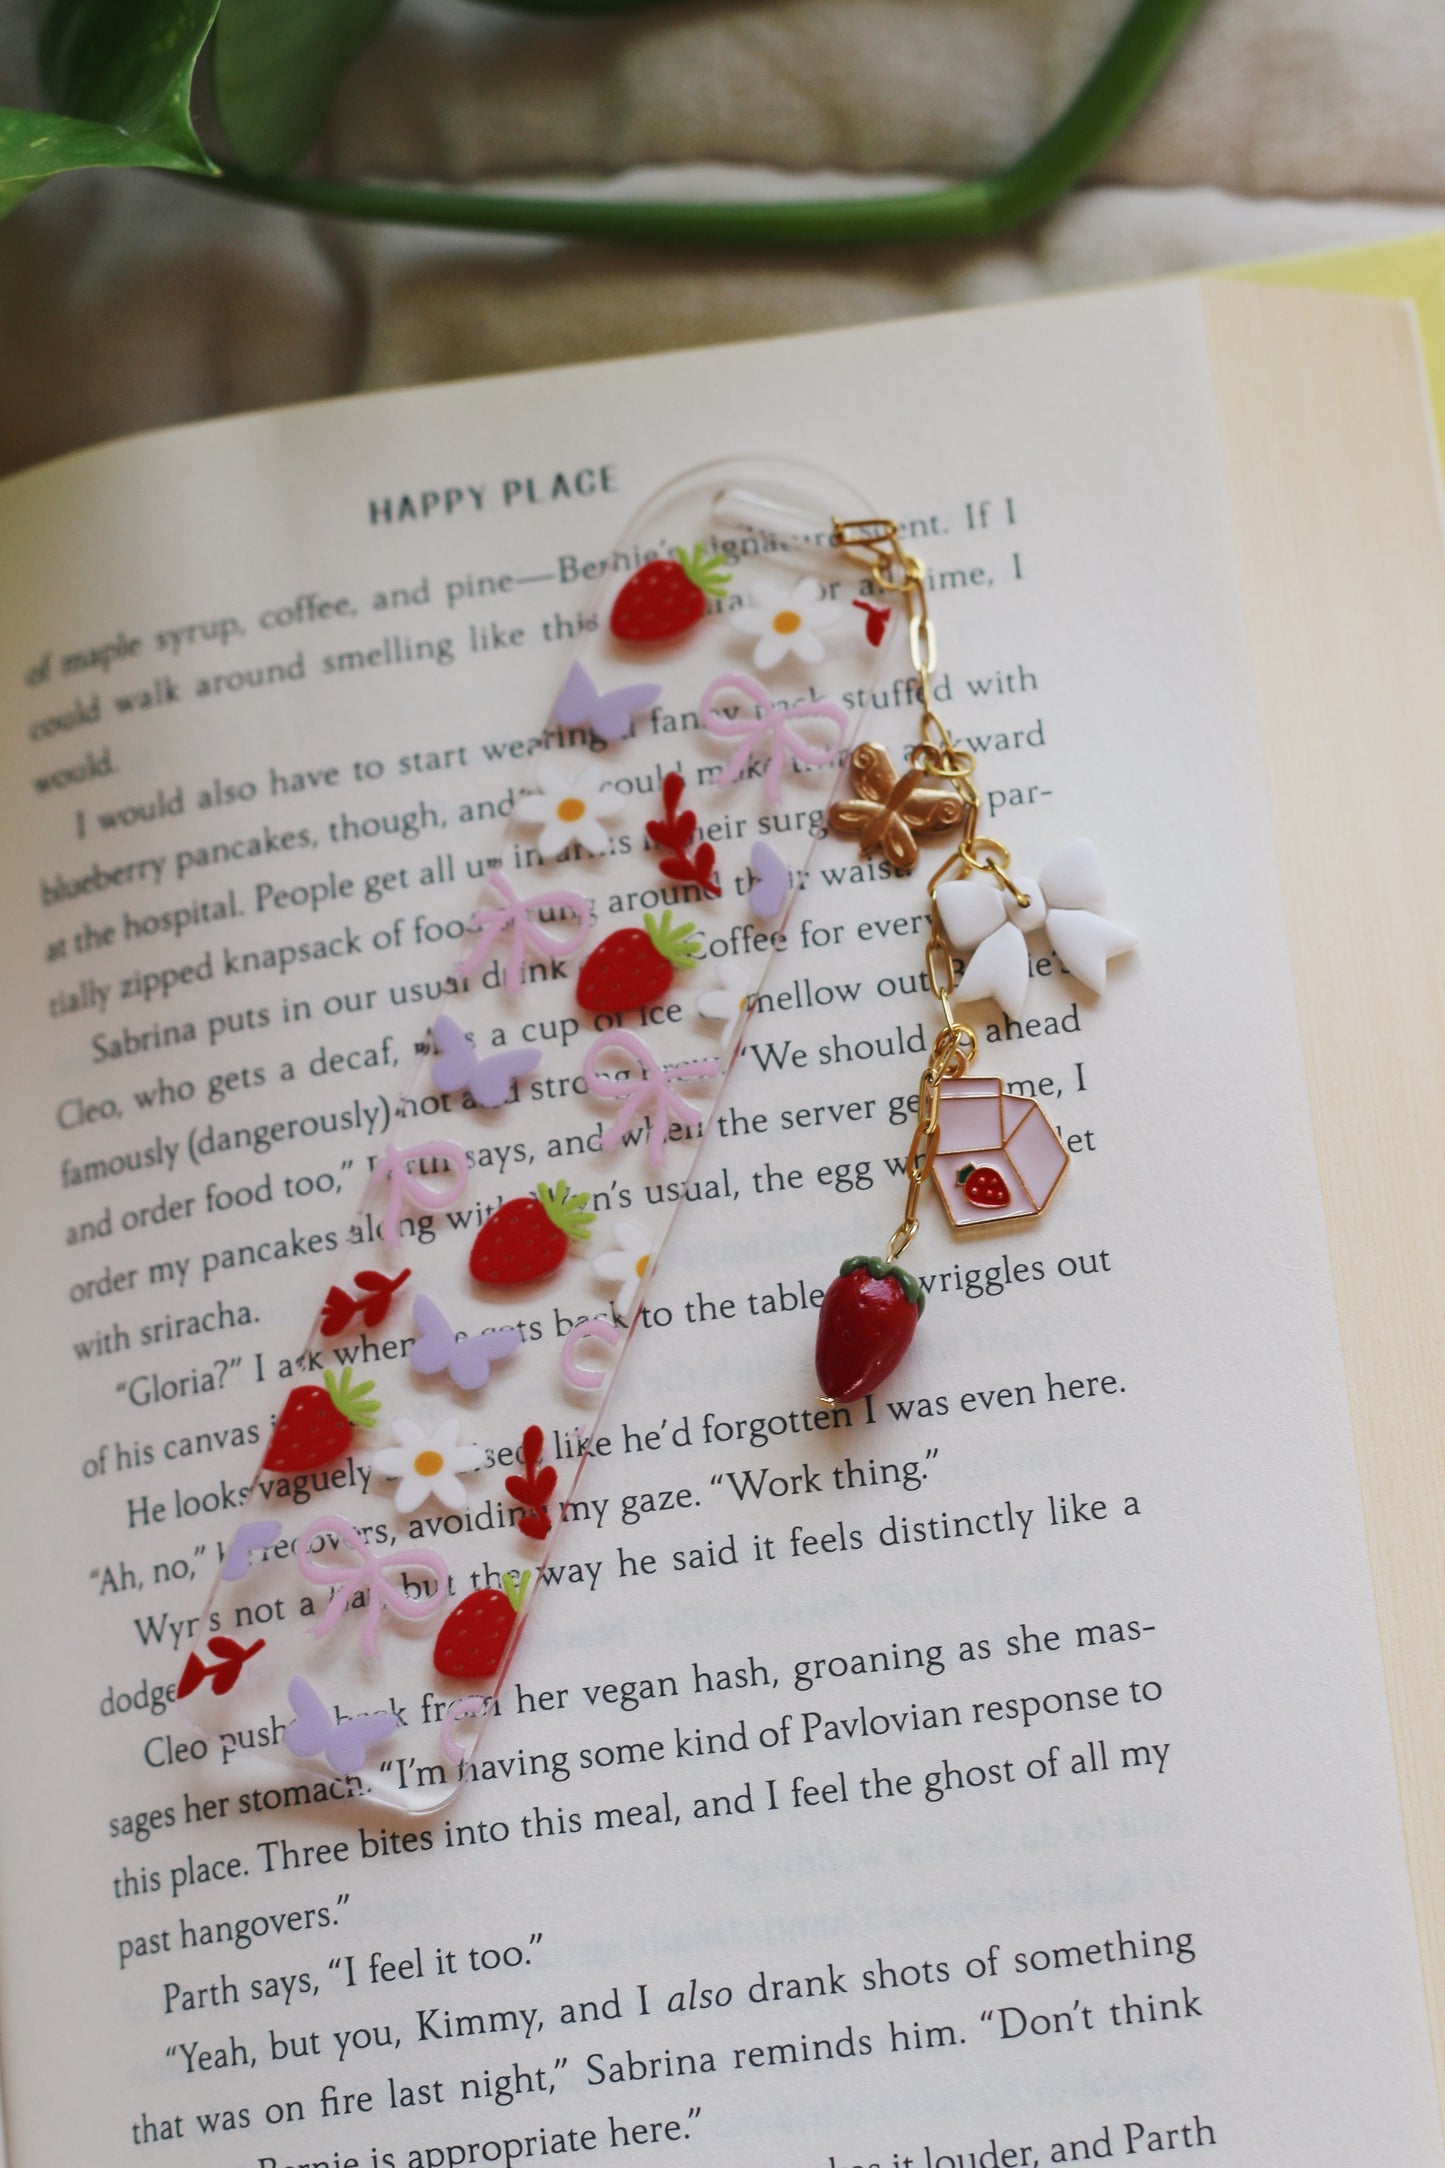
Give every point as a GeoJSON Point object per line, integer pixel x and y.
{"type": "Point", "coordinates": [674, 832]}
{"type": "Point", "coordinates": [534, 1487]}
{"type": "Point", "coordinates": [223, 1674]}
{"type": "Point", "coordinates": [371, 1305]}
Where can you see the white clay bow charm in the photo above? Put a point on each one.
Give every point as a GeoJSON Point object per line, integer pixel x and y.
{"type": "Point", "coordinates": [1063, 898]}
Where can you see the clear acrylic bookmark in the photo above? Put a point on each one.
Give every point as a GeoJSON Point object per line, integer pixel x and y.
{"type": "Point", "coordinates": [465, 1352]}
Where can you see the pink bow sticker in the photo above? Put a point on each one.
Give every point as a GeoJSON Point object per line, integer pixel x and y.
{"type": "Point", "coordinates": [349, 1578]}
{"type": "Point", "coordinates": [408, 1188]}
{"type": "Point", "coordinates": [514, 924]}
{"type": "Point", "coordinates": [647, 1098]}
{"type": "Point", "coordinates": [769, 729]}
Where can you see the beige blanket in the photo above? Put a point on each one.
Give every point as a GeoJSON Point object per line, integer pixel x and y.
{"type": "Point", "coordinates": [130, 300]}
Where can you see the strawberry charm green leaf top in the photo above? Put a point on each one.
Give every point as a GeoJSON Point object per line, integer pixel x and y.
{"type": "Point", "coordinates": [632, 967]}
{"type": "Point", "coordinates": [315, 1425]}
{"type": "Point", "coordinates": [666, 597]}
{"type": "Point", "coordinates": [527, 1238]}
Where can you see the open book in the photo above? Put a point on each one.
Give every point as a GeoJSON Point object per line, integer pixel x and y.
{"type": "Point", "coordinates": [1002, 1776]}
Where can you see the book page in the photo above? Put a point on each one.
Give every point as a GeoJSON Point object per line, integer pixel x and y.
{"type": "Point", "coordinates": [996, 1772]}
{"type": "Point", "coordinates": [1363, 630]}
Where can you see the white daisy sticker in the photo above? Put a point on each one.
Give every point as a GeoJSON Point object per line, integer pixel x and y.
{"type": "Point", "coordinates": [786, 621]}
{"type": "Point", "coordinates": [727, 1002]}
{"type": "Point", "coordinates": [428, 1467]}
{"type": "Point", "coordinates": [624, 1266]}
{"type": "Point", "coordinates": [569, 806]}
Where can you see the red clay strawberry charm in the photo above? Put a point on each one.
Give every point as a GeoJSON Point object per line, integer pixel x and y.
{"type": "Point", "coordinates": [864, 1327]}
{"type": "Point", "coordinates": [473, 1637]}
{"type": "Point", "coordinates": [665, 598]}
{"type": "Point", "coordinates": [631, 968]}
{"type": "Point", "coordinates": [984, 1187]}
{"type": "Point", "coordinates": [315, 1425]}
{"type": "Point", "coordinates": [527, 1237]}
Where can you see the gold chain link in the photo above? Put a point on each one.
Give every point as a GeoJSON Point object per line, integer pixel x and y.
{"type": "Point", "coordinates": [953, 1050]}
{"type": "Point", "coordinates": [875, 544]}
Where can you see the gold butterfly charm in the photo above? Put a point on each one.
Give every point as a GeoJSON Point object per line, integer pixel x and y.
{"type": "Point", "coordinates": [893, 810]}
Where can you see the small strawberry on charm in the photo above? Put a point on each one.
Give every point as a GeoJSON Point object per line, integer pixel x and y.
{"type": "Point", "coordinates": [868, 1318]}
{"type": "Point", "coordinates": [667, 596]}
{"type": "Point", "coordinates": [985, 1187]}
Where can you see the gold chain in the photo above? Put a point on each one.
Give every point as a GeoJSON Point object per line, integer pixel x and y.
{"type": "Point", "coordinates": [953, 1050]}
{"type": "Point", "coordinates": [875, 544]}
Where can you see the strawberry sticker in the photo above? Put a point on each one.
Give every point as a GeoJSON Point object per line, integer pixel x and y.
{"type": "Point", "coordinates": [632, 967]}
{"type": "Point", "coordinates": [984, 1187]}
{"type": "Point", "coordinates": [668, 596]}
{"type": "Point", "coordinates": [315, 1426]}
{"type": "Point", "coordinates": [527, 1237]}
{"type": "Point", "coordinates": [534, 1487]}
{"type": "Point", "coordinates": [868, 1317]}
{"type": "Point", "coordinates": [473, 1637]}
{"type": "Point", "coordinates": [370, 1305]}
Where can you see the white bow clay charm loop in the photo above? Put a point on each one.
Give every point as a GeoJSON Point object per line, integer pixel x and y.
{"type": "Point", "coordinates": [1063, 898]}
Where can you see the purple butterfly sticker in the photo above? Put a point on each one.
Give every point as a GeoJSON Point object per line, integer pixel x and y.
{"type": "Point", "coordinates": [611, 715]}
{"type": "Point", "coordinates": [771, 882]}
{"type": "Point", "coordinates": [250, 1536]}
{"type": "Point", "coordinates": [345, 1744]}
{"type": "Point", "coordinates": [469, 1362]}
{"type": "Point", "coordinates": [489, 1078]}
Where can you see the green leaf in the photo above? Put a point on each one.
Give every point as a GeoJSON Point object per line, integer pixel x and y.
{"type": "Point", "coordinates": [33, 146]}
{"type": "Point", "coordinates": [128, 63]}
{"type": "Point", "coordinates": [276, 67]}
{"type": "Point", "coordinates": [121, 71]}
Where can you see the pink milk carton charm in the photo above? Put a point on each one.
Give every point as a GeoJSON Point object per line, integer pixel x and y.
{"type": "Point", "coordinates": [999, 1156]}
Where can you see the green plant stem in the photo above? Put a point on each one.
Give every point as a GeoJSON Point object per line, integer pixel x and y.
{"type": "Point", "coordinates": [1141, 49]}
{"type": "Point", "coordinates": [576, 7]}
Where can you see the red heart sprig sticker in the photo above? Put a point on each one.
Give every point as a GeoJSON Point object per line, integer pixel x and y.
{"type": "Point", "coordinates": [371, 1305]}
{"type": "Point", "coordinates": [674, 832]}
{"type": "Point", "coordinates": [533, 1488]}
{"type": "Point", "coordinates": [223, 1674]}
